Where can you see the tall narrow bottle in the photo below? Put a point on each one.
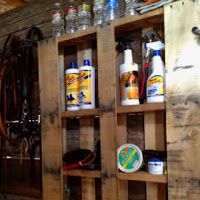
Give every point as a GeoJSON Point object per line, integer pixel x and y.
{"type": "Point", "coordinates": [112, 10]}
{"type": "Point", "coordinates": [130, 7]}
{"type": "Point", "coordinates": [84, 16]}
{"type": "Point", "coordinates": [57, 21]}
{"type": "Point", "coordinates": [71, 19]}
{"type": "Point", "coordinates": [99, 11]}
{"type": "Point", "coordinates": [129, 90]}
{"type": "Point", "coordinates": [156, 81]}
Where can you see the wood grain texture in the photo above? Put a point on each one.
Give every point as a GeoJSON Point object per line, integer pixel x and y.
{"type": "Point", "coordinates": [52, 179]}
{"type": "Point", "coordinates": [107, 105]}
{"type": "Point", "coordinates": [183, 110]}
{"type": "Point", "coordinates": [84, 51]}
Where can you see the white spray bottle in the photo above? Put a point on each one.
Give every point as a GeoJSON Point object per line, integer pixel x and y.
{"type": "Point", "coordinates": [156, 81]}
{"type": "Point", "coordinates": [129, 90]}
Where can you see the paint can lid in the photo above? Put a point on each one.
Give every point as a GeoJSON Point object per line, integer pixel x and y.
{"type": "Point", "coordinates": [129, 157]}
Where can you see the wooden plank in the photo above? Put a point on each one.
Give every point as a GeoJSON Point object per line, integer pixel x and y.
{"type": "Point", "coordinates": [81, 36]}
{"type": "Point", "coordinates": [137, 21]}
{"type": "Point", "coordinates": [52, 179]}
{"type": "Point", "coordinates": [107, 104]}
{"type": "Point", "coordinates": [83, 173]}
{"type": "Point", "coordinates": [84, 51]}
{"type": "Point", "coordinates": [121, 138]}
{"type": "Point", "coordinates": [81, 113]}
{"type": "Point", "coordinates": [183, 111]}
{"type": "Point", "coordinates": [143, 176]}
{"type": "Point", "coordinates": [141, 108]}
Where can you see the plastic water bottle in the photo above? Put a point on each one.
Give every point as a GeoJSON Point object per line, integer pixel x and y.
{"type": "Point", "coordinates": [99, 11]}
{"type": "Point", "coordinates": [112, 9]}
{"type": "Point", "coordinates": [130, 7]}
{"type": "Point", "coordinates": [71, 19]}
{"type": "Point", "coordinates": [57, 20]}
{"type": "Point", "coordinates": [84, 16]}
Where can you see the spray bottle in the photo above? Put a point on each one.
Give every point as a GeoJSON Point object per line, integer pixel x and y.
{"type": "Point", "coordinates": [156, 81]}
{"type": "Point", "coordinates": [129, 90]}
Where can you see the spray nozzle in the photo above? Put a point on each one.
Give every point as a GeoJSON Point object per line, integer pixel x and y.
{"type": "Point", "coordinates": [158, 45]}
{"type": "Point", "coordinates": [123, 44]}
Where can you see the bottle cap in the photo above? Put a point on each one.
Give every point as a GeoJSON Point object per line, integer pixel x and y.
{"type": "Point", "coordinates": [86, 62]}
{"type": "Point", "coordinates": [72, 65]}
{"type": "Point", "coordinates": [156, 52]}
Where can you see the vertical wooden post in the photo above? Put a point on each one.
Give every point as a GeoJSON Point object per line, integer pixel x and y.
{"type": "Point", "coordinates": [154, 140]}
{"type": "Point", "coordinates": [183, 99]}
{"type": "Point", "coordinates": [121, 138]}
{"type": "Point", "coordinates": [52, 179]}
{"type": "Point", "coordinates": [107, 105]}
{"type": "Point", "coordinates": [84, 51]}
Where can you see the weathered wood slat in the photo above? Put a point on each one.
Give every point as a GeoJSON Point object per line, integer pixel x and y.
{"type": "Point", "coordinates": [107, 104]}
{"type": "Point", "coordinates": [52, 179]}
{"type": "Point", "coordinates": [143, 176]}
{"type": "Point", "coordinates": [183, 110]}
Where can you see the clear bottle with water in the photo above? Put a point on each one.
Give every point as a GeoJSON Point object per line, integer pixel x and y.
{"type": "Point", "coordinates": [57, 21]}
{"type": "Point", "coordinates": [99, 7]}
{"type": "Point", "coordinates": [84, 16]}
{"type": "Point", "coordinates": [112, 10]}
{"type": "Point", "coordinates": [130, 7]}
{"type": "Point", "coordinates": [71, 19]}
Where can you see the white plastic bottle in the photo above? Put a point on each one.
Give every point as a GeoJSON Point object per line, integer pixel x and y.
{"type": "Point", "coordinates": [156, 81]}
{"type": "Point", "coordinates": [87, 86]}
{"type": "Point", "coordinates": [71, 19]}
{"type": "Point", "coordinates": [129, 90]}
{"type": "Point", "coordinates": [84, 16]}
{"type": "Point", "coordinates": [72, 87]}
{"type": "Point", "coordinates": [57, 21]}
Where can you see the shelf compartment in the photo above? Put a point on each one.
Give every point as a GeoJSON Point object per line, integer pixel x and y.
{"type": "Point", "coordinates": [142, 176]}
{"type": "Point", "coordinates": [80, 113]}
{"type": "Point", "coordinates": [141, 108]}
{"type": "Point", "coordinates": [137, 21]}
{"type": "Point", "coordinates": [83, 173]}
{"type": "Point", "coordinates": [77, 37]}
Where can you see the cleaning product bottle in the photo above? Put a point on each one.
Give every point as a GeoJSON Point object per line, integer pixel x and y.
{"type": "Point", "coordinates": [87, 86]}
{"type": "Point", "coordinates": [129, 90]}
{"type": "Point", "coordinates": [156, 81]}
{"type": "Point", "coordinates": [72, 87]}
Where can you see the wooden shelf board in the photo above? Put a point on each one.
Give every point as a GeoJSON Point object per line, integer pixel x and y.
{"type": "Point", "coordinates": [80, 113]}
{"type": "Point", "coordinates": [83, 173]}
{"type": "Point", "coordinates": [136, 21]}
{"type": "Point", "coordinates": [77, 37]}
{"type": "Point", "coordinates": [141, 108]}
{"type": "Point", "coordinates": [142, 176]}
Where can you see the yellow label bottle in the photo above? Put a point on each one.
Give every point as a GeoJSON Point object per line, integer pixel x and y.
{"type": "Point", "coordinates": [72, 87]}
{"type": "Point", "coordinates": [87, 86]}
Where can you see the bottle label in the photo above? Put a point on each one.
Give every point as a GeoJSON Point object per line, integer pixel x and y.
{"type": "Point", "coordinates": [155, 86]}
{"type": "Point", "coordinates": [84, 9]}
{"type": "Point", "coordinates": [85, 93]}
{"type": "Point", "coordinates": [129, 85]}
{"type": "Point", "coordinates": [98, 4]}
{"type": "Point", "coordinates": [72, 89]}
{"type": "Point", "coordinates": [57, 17]}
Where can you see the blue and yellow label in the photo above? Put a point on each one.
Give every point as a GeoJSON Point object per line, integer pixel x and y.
{"type": "Point", "coordinates": [155, 86]}
{"type": "Point", "coordinates": [85, 87]}
{"type": "Point", "coordinates": [72, 89]}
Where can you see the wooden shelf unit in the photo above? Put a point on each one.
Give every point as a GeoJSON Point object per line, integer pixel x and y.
{"type": "Point", "coordinates": [111, 116]}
